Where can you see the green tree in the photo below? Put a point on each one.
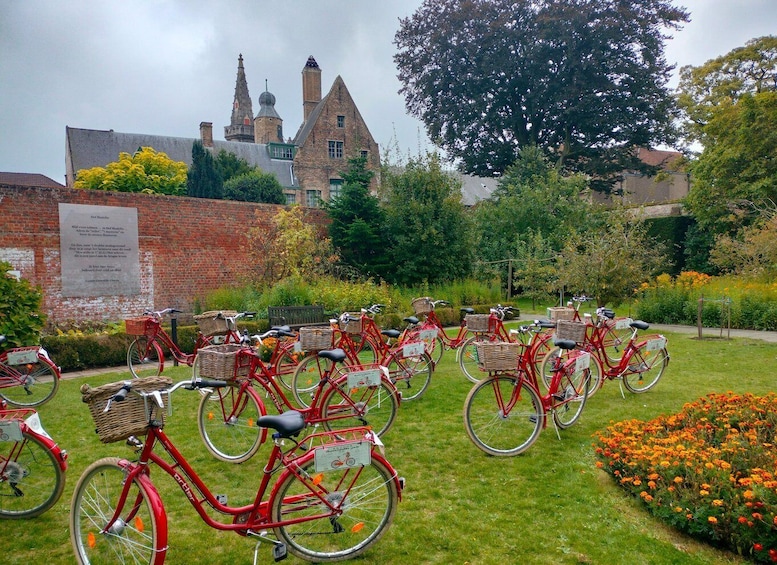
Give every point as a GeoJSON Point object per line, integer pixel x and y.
{"type": "Point", "coordinates": [357, 221]}
{"type": "Point", "coordinates": [430, 237]}
{"type": "Point", "coordinates": [585, 80]}
{"type": "Point", "coordinates": [230, 165]}
{"type": "Point", "coordinates": [203, 179]}
{"type": "Point", "coordinates": [611, 262]}
{"type": "Point", "coordinates": [21, 319]}
{"type": "Point", "coordinates": [146, 170]}
{"type": "Point", "coordinates": [535, 272]}
{"type": "Point", "coordinates": [256, 186]}
{"type": "Point", "coordinates": [532, 199]}
{"type": "Point", "coordinates": [730, 106]}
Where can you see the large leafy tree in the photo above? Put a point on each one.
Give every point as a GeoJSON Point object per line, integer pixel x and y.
{"type": "Point", "coordinates": [256, 186]}
{"type": "Point", "coordinates": [357, 221]}
{"type": "Point", "coordinates": [730, 105]}
{"type": "Point", "coordinates": [21, 320]}
{"type": "Point", "coordinates": [203, 179]}
{"type": "Point", "coordinates": [585, 80]}
{"type": "Point", "coordinates": [147, 170]}
{"type": "Point", "coordinates": [429, 234]}
{"type": "Point", "coordinates": [230, 165]}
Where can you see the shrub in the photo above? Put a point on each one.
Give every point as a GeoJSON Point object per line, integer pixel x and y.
{"type": "Point", "coordinates": [20, 315]}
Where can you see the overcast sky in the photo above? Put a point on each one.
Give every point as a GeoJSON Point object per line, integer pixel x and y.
{"type": "Point", "coordinates": [162, 67]}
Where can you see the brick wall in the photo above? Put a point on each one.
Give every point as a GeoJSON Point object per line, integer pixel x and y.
{"type": "Point", "coordinates": [187, 247]}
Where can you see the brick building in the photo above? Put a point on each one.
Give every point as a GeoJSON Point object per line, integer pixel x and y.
{"type": "Point", "coordinates": [308, 166]}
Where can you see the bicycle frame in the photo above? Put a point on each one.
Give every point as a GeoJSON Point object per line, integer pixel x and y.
{"type": "Point", "coordinates": [246, 520]}
{"type": "Point", "coordinates": [26, 420]}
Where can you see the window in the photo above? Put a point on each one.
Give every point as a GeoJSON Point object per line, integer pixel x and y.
{"type": "Point", "coordinates": [341, 121]}
{"type": "Point", "coordinates": [281, 151]}
{"type": "Point", "coordinates": [365, 155]}
{"type": "Point", "coordinates": [335, 186]}
{"type": "Point", "coordinates": [291, 199]}
{"type": "Point", "coordinates": [314, 198]}
{"type": "Point", "coordinates": [335, 149]}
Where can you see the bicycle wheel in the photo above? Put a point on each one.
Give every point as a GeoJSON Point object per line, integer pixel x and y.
{"type": "Point", "coordinates": [374, 406]}
{"type": "Point", "coordinates": [138, 536]}
{"type": "Point", "coordinates": [468, 358]}
{"type": "Point", "coordinates": [615, 341]}
{"type": "Point", "coordinates": [411, 375]}
{"type": "Point", "coordinates": [435, 347]}
{"type": "Point", "coordinates": [226, 419]}
{"type": "Point", "coordinates": [307, 375]}
{"type": "Point", "coordinates": [645, 368]}
{"type": "Point", "coordinates": [30, 384]}
{"type": "Point", "coordinates": [571, 394]}
{"type": "Point", "coordinates": [31, 480]}
{"type": "Point", "coordinates": [595, 379]}
{"type": "Point", "coordinates": [145, 358]}
{"type": "Point", "coordinates": [367, 351]}
{"type": "Point", "coordinates": [363, 499]}
{"type": "Point", "coordinates": [503, 415]}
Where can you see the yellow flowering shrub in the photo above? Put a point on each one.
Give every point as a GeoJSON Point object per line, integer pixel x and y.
{"type": "Point", "coordinates": [709, 471]}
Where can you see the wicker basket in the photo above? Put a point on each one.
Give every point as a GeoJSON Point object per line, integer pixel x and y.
{"type": "Point", "coordinates": [315, 339]}
{"type": "Point", "coordinates": [477, 322]}
{"type": "Point", "coordinates": [144, 325]}
{"type": "Point", "coordinates": [210, 323]}
{"type": "Point", "coordinates": [422, 305]}
{"type": "Point", "coordinates": [354, 323]}
{"type": "Point", "coordinates": [561, 313]}
{"type": "Point", "coordinates": [221, 362]}
{"type": "Point", "coordinates": [129, 417]}
{"type": "Point", "coordinates": [498, 355]}
{"type": "Point", "coordinates": [574, 331]}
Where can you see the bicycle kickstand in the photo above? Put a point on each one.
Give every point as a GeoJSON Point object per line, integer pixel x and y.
{"type": "Point", "coordinates": [279, 551]}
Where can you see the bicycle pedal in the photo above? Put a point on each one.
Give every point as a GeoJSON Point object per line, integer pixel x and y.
{"type": "Point", "coordinates": [279, 552]}
{"type": "Point", "coordinates": [533, 418]}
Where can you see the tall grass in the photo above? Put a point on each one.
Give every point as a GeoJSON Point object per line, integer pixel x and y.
{"type": "Point", "coordinates": [549, 505]}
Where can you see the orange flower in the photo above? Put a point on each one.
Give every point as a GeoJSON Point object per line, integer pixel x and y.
{"type": "Point", "coordinates": [712, 520]}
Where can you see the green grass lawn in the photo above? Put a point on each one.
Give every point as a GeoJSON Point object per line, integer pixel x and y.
{"type": "Point", "coordinates": [549, 505]}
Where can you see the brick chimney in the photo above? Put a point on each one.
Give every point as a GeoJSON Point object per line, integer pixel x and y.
{"type": "Point", "coordinates": [311, 86]}
{"type": "Point", "coordinates": [206, 134]}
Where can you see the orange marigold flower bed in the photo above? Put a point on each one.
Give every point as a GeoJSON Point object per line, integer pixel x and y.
{"type": "Point", "coordinates": [725, 490]}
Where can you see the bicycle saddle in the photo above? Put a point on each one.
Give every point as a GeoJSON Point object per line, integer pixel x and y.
{"type": "Point", "coordinates": [391, 333]}
{"type": "Point", "coordinates": [287, 424]}
{"type": "Point", "coordinates": [336, 355]}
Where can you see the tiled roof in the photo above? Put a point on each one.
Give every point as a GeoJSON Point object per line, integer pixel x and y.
{"type": "Point", "coordinates": [28, 179]}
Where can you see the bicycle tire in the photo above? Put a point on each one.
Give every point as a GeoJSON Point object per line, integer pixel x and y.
{"type": "Point", "coordinates": [571, 395]}
{"type": "Point", "coordinates": [141, 537]}
{"type": "Point", "coordinates": [29, 385]}
{"type": "Point", "coordinates": [226, 419]}
{"type": "Point", "coordinates": [374, 406]}
{"type": "Point", "coordinates": [490, 429]}
{"type": "Point", "coordinates": [468, 358]}
{"type": "Point", "coordinates": [596, 378]}
{"type": "Point", "coordinates": [31, 480]}
{"type": "Point", "coordinates": [144, 358]}
{"type": "Point", "coordinates": [614, 342]}
{"type": "Point", "coordinates": [645, 369]}
{"type": "Point", "coordinates": [284, 367]}
{"type": "Point", "coordinates": [307, 377]}
{"type": "Point", "coordinates": [365, 500]}
{"type": "Point", "coordinates": [411, 375]}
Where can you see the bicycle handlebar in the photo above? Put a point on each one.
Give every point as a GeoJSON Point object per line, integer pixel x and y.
{"type": "Point", "coordinates": [189, 384]}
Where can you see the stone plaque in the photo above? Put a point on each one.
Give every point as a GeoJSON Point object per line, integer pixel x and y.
{"type": "Point", "coordinates": [99, 250]}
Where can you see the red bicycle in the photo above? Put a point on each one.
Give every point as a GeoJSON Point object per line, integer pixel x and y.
{"type": "Point", "coordinates": [432, 332]}
{"type": "Point", "coordinates": [303, 504]}
{"type": "Point", "coordinates": [28, 377]}
{"type": "Point", "coordinates": [146, 353]}
{"type": "Point", "coordinates": [342, 398]}
{"type": "Point", "coordinates": [32, 465]}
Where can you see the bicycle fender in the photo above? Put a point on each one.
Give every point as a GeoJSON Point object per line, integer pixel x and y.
{"type": "Point", "coordinates": [157, 507]}
{"type": "Point", "coordinates": [33, 427]}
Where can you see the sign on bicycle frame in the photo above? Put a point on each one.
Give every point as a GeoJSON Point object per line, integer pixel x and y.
{"type": "Point", "coordinates": [363, 379]}
{"type": "Point", "coordinates": [655, 344]}
{"type": "Point", "coordinates": [22, 357]}
{"type": "Point", "coordinates": [428, 335]}
{"type": "Point", "coordinates": [340, 456]}
{"type": "Point", "coordinates": [11, 431]}
{"type": "Point", "coordinates": [582, 362]}
{"type": "Point", "coordinates": [623, 323]}
{"type": "Point", "coordinates": [413, 349]}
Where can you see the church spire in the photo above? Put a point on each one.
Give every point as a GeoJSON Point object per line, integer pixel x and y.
{"type": "Point", "coordinates": [241, 127]}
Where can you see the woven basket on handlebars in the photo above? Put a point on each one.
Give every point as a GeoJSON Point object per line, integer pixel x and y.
{"type": "Point", "coordinates": [221, 362]}
{"type": "Point", "coordinates": [561, 313]}
{"type": "Point", "coordinates": [315, 339]}
{"type": "Point", "coordinates": [143, 325]}
{"type": "Point", "coordinates": [210, 323]}
{"type": "Point", "coordinates": [477, 322]}
{"type": "Point", "coordinates": [498, 355]}
{"type": "Point", "coordinates": [422, 305]}
{"type": "Point", "coordinates": [353, 325]}
{"type": "Point", "coordinates": [129, 417]}
{"type": "Point", "coordinates": [574, 331]}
